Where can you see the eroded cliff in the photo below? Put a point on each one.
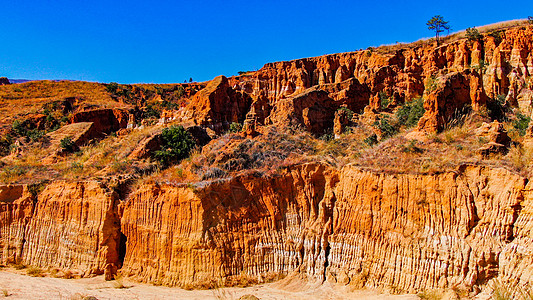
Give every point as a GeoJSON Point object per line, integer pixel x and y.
{"type": "Point", "coordinates": [398, 232]}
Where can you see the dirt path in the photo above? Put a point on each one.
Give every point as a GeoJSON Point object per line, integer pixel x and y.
{"type": "Point", "coordinates": [19, 286]}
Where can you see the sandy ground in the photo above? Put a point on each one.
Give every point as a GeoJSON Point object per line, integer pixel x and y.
{"type": "Point", "coordinates": [18, 286]}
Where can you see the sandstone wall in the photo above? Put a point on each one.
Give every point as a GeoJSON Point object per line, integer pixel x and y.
{"type": "Point", "coordinates": [242, 228]}
{"type": "Point", "coordinates": [71, 226]}
{"type": "Point", "coordinates": [399, 232]}
{"type": "Point", "coordinates": [16, 209]}
{"type": "Point", "coordinates": [491, 66]}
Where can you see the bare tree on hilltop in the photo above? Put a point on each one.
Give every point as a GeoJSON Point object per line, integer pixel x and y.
{"type": "Point", "coordinates": [438, 24]}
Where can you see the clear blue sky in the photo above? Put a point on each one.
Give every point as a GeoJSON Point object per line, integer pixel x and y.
{"type": "Point", "coordinates": [170, 41]}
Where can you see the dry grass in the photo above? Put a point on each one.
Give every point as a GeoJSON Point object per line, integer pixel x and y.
{"type": "Point", "coordinates": [37, 93]}
{"type": "Point", "coordinates": [384, 49]}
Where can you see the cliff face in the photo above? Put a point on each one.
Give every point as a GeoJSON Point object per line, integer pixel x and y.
{"type": "Point", "coordinates": [242, 228]}
{"type": "Point", "coordinates": [400, 232]}
{"type": "Point", "coordinates": [498, 64]}
{"type": "Point", "coordinates": [70, 226]}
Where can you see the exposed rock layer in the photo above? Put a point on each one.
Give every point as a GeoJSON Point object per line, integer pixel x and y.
{"type": "Point", "coordinates": [401, 232]}
{"type": "Point", "coordinates": [478, 70]}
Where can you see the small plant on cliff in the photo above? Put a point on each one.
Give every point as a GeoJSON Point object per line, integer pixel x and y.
{"type": "Point", "coordinates": [112, 87]}
{"type": "Point", "coordinates": [497, 35]}
{"type": "Point", "coordinates": [371, 140]}
{"type": "Point", "coordinates": [349, 112]}
{"type": "Point", "coordinates": [409, 113]}
{"type": "Point", "coordinates": [176, 144]}
{"type": "Point", "coordinates": [431, 83]}
{"type": "Point", "coordinates": [438, 25]}
{"type": "Point", "coordinates": [385, 126]}
{"type": "Point", "coordinates": [67, 144]}
{"type": "Point", "coordinates": [481, 66]}
{"type": "Point", "coordinates": [473, 34]}
{"type": "Point", "coordinates": [384, 100]}
{"type": "Point", "coordinates": [521, 123]}
{"type": "Point", "coordinates": [497, 108]}
{"type": "Point", "coordinates": [235, 127]}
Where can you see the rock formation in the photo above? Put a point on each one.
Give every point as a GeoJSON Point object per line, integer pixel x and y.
{"type": "Point", "coordinates": [104, 121]}
{"type": "Point", "coordinates": [473, 71]}
{"type": "Point", "coordinates": [218, 105]}
{"type": "Point", "coordinates": [399, 232]}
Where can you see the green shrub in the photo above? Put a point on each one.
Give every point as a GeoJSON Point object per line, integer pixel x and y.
{"type": "Point", "coordinates": [409, 113]}
{"type": "Point", "coordinates": [112, 87]}
{"type": "Point", "coordinates": [152, 112]}
{"type": "Point", "coordinates": [67, 144]}
{"type": "Point", "coordinates": [530, 19]}
{"type": "Point", "coordinates": [431, 84]}
{"type": "Point", "coordinates": [521, 123]}
{"type": "Point", "coordinates": [481, 66]}
{"type": "Point", "coordinates": [384, 100]}
{"type": "Point", "coordinates": [371, 140]}
{"type": "Point", "coordinates": [349, 112]}
{"type": "Point", "coordinates": [18, 128]}
{"type": "Point", "coordinates": [235, 127]}
{"type": "Point", "coordinates": [473, 34]}
{"type": "Point", "coordinates": [35, 134]}
{"type": "Point", "coordinates": [386, 128]}
{"type": "Point", "coordinates": [411, 147]}
{"type": "Point", "coordinates": [176, 144]}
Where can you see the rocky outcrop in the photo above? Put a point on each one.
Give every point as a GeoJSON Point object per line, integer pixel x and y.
{"type": "Point", "coordinates": [398, 232]}
{"type": "Point", "coordinates": [104, 121]}
{"type": "Point", "coordinates": [313, 109]}
{"type": "Point", "coordinates": [79, 133]}
{"type": "Point", "coordinates": [497, 139]}
{"type": "Point", "coordinates": [72, 226]}
{"type": "Point", "coordinates": [474, 71]}
{"type": "Point", "coordinates": [218, 105]}
{"type": "Point", "coordinates": [449, 97]}
{"type": "Point", "coordinates": [244, 228]}
{"type": "Point", "coordinates": [4, 81]}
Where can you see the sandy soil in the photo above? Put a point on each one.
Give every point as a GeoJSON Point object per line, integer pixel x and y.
{"type": "Point", "coordinates": [19, 286]}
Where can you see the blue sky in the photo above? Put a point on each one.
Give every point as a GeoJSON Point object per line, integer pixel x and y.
{"type": "Point", "coordinates": [170, 41]}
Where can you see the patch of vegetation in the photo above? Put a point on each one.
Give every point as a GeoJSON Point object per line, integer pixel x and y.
{"type": "Point", "coordinates": [473, 34]}
{"type": "Point", "coordinates": [349, 112]}
{"type": "Point", "coordinates": [497, 35]}
{"type": "Point", "coordinates": [385, 126]}
{"type": "Point", "coordinates": [176, 144]}
{"type": "Point", "coordinates": [68, 145]}
{"type": "Point", "coordinates": [530, 19]}
{"type": "Point", "coordinates": [235, 127]}
{"type": "Point", "coordinates": [411, 147]}
{"type": "Point", "coordinates": [409, 113]}
{"type": "Point", "coordinates": [371, 140]}
{"type": "Point", "coordinates": [431, 83]}
{"type": "Point", "coordinates": [34, 271]}
{"type": "Point", "coordinates": [481, 66]}
{"type": "Point", "coordinates": [521, 123]}
{"type": "Point", "coordinates": [384, 100]}
{"type": "Point", "coordinates": [497, 108]}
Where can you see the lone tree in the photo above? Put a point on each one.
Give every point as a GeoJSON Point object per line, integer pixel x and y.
{"type": "Point", "coordinates": [438, 24]}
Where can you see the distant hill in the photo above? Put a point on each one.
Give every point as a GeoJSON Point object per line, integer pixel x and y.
{"type": "Point", "coordinates": [26, 80]}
